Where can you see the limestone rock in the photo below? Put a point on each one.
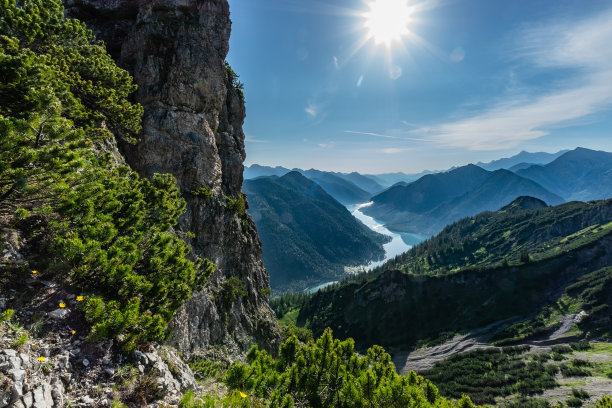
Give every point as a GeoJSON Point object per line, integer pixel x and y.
{"type": "Point", "coordinates": [192, 128]}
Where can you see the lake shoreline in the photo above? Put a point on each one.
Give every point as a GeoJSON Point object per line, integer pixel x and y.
{"type": "Point", "coordinates": [400, 243]}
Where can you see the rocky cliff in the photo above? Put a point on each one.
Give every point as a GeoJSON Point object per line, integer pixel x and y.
{"type": "Point", "coordinates": [192, 128]}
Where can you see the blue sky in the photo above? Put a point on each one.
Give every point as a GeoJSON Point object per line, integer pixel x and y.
{"type": "Point", "coordinates": [470, 80]}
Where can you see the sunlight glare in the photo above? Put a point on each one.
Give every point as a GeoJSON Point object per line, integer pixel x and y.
{"type": "Point", "coordinates": [388, 20]}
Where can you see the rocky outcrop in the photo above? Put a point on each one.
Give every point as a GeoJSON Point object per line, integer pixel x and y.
{"type": "Point", "coordinates": [46, 361]}
{"type": "Point", "coordinates": [192, 128]}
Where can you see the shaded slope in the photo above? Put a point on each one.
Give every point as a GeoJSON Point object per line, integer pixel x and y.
{"type": "Point", "coordinates": [308, 237]}
{"type": "Point", "coordinates": [342, 190]}
{"type": "Point", "coordinates": [365, 183]}
{"type": "Point", "coordinates": [426, 193]}
{"type": "Point", "coordinates": [432, 202]}
{"type": "Point", "coordinates": [580, 174]}
{"type": "Point", "coordinates": [522, 157]}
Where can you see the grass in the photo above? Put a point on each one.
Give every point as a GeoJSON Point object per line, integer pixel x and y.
{"type": "Point", "coordinates": [237, 399]}
{"type": "Point", "coordinates": [289, 317]}
{"type": "Point", "coordinates": [601, 348]}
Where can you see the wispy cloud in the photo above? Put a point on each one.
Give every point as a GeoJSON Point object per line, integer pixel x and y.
{"type": "Point", "coordinates": [328, 145]}
{"type": "Point", "coordinates": [312, 110]}
{"type": "Point", "coordinates": [359, 81]}
{"type": "Point", "coordinates": [251, 139]}
{"type": "Point", "coordinates": [413, 139]}
{"type": "Point", "coordinates": [336, 63]}
{"type": "Point", "coordinates": [394, 150]}
{"type": "Point", "coordinates": [579, 47]}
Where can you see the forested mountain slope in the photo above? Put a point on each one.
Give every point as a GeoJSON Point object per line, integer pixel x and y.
{"type": "Point", "coordinates": [308, 237]}
{"type": "Point", "coordinates": [479, 270]}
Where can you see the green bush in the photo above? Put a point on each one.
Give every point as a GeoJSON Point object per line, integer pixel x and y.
{"type": "Point", "coordinates": [204, 369]}
{"type": "Point", "coordinates": [202, 191]}
{"type": "Point", "coordinates": [237, 205]}
{"type": "Point", "coordinates": [6, 315]}
{"type": "Point", "coordinates": [329, 373]}
{"type": "Point", "coordinates": [491, 373]}
{"type": "Point", "coordinates": [99, 225]}
{"type": "Point", "coordinates": [569, 370]}
{"type": "Point", "coordinates": [582, 345]}
{"type": "Point", "coordinates": [604, 402]}
{"type": "Point", "coordinates": [582, 394]}
{"type": "Point", "coordinates": [573, 402]}
{"type": "Point", "coordinates": [561, 349]}
{"type": "Point", "coordinates": [231, 290]}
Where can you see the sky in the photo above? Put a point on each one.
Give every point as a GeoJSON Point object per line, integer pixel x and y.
{"type": "Point", "coordinates": [379, 86]}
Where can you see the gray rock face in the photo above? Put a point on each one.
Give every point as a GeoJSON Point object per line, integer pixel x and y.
{"type": "Point", "coordinates": [192, 128]}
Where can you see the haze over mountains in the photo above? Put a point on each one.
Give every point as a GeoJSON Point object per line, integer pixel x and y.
{"type": "Point", "coordinates": [308, 237]}
{"type": "Point", "coordinates": [580, 174]}
{"type": "Point", "coordinates": [433, 201]}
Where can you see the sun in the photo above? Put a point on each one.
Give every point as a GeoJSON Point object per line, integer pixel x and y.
{"type": "Point", "coordinates": [388, 20]}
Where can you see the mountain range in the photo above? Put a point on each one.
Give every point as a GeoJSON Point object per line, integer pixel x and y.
{"type": "Point", "coordinates": [308, 237]}
{"type": "Point", "coordinates": [428, 204]}
{"type": "Point", "coordinates": [580, 174]}
{"type": "Point", "coordinates": [520, 159]}
{"type": "Point", "coordinates": [356, 188]}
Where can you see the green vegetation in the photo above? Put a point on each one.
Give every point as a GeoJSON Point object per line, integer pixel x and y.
{"type": "Point", "coordinates": [95, 225]}
{"type": "Point", "coordinates": [231, 290]}
{"type": "Point", "coordinates": [491, 373]}
{"type": "Point", "coordinates": [202, 191]}
{"type": "Point", "coordinates": [236, 399]}
{"type": "Point", "coordinates": [546, 320]}
{"type": "Point", "coordinates": [205, 369]}
{"type": "Point", "coordinates": [453, 272]}
{"type": "Point", "coordinates": [233, 77]}
{"type": "Point", "coordinates": [604, 402]}
{"type": "Point", "coordinates": [512, 235]}
{"type": "Point", "coordinates": [237, 205]}
{"type": "Point", "coordinates": [328, 373]}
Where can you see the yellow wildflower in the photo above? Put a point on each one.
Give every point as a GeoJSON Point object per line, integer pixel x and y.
{"type": "Point", "coordinates": [62, 304]}
{"type": "Point", "coordinates": [242, 394]}
{"type": "Point", "coordinates": [74, 332]}
{"type": "Point", "coordinates": [79, 298]}
{"type": "Point", "coordinates": [34, 272]}
{"type": "Point", "coordinates": [41, 358]}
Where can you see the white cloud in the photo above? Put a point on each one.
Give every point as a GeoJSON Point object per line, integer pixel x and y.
{"type": "Point", "coordinates": [336, 63]}
{"type": "Point", "coordinates": [312, 110]}
{"type": "Point", "coordinates": [326, 145]}
{"type": "Point", "coordinates": [411, 139]}
{"type": "Point", "coordinates": [394, 150]}
{"type": "Point", "coordinates": [251, 139]}
{"type": "Point", "coordinates": [359, 81]}
{"type": "Point", "coordinates": [582, 46]}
